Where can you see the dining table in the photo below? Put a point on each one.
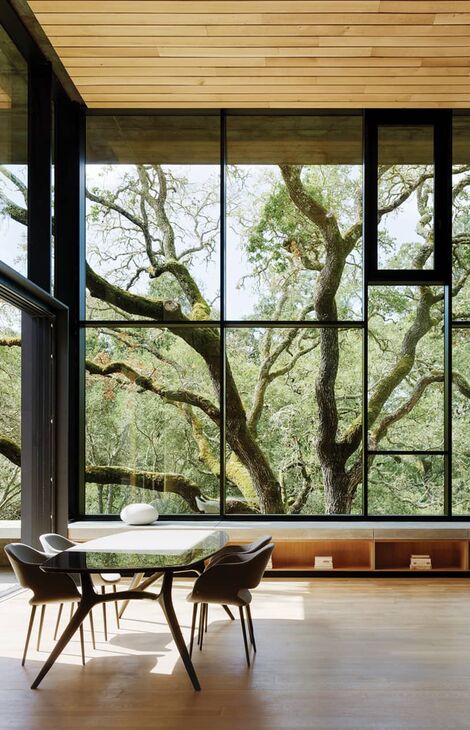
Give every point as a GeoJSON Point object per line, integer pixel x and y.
{"type": "Point", "coordinates": [160, 550]}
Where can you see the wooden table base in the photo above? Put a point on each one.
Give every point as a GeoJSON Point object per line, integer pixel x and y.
{"type": "Point", "coordinates": [90, 599]}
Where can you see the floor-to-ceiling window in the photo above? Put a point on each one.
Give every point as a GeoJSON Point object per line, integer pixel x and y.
{"type": "Point", "coordinates": [235, 350]}
{"type": "Point", "coordinates": [153, 254]}
{"type": "Point", "coordinates": [13, 236]}
{"type": "Point", "coordinates": [10, 412]}
{"type": "Point", "coordinates": [13, 154]}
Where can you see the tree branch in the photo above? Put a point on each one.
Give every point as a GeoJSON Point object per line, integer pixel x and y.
{"type": "Point", "coordinates": [155, 481]}
{"type": "Point", "coordinates": [10, 341]}
{"type": "Point", "coordinates": [146, 383]}
{"type": "Point", "coordinates": [10, 450]}
{"type": "Point", "coordinates": [381, 430]}
{"type": "Point", "coordinates": [310, 207]}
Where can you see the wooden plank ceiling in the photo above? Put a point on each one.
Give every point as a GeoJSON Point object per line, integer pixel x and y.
{"type": "Point", "coordinates": [263, 53]}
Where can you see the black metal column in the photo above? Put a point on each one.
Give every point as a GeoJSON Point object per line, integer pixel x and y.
{"type": "Point", "coordinates": [37, 427]}
{"type": "Point", "coordinates": [69, 229]}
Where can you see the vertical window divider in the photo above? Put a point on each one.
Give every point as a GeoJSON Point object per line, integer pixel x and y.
{"type": "Point", "coordinates": [223, 242]}
{"type": "Point", "coordinates": [367, 150]}
{"type": "Point", "coordinates": [448, 401]}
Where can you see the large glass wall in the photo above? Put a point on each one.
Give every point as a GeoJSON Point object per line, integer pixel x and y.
{"type": "Point", "coordinates": [13, 155]}
{"type": "Point", "coordinates": [10, 412]}
{"type": "Point", "coordinates": [236, 353]}
{"type": "Point", "coordinates": [13, 237]}
{"type": "Point", "coordinates": [153, 250]}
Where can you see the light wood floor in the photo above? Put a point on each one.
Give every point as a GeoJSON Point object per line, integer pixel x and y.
{"type": "Point", "coordinates": [332, 654]}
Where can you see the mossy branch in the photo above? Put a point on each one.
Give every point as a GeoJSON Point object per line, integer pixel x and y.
{"type": "Point", "coordinates": [154, 481]}
{"type": "Point", "coordinates": [142, 381]}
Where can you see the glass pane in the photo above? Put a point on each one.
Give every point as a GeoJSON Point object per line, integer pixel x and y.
{"type": "Point", "coordinates": [151, 421]}
{"type": "Point", "coordinates": [10, 412]}
{"type": "Point", "coordinates": [461, 219]}
{"type": "Point", "coordinates": [13, 155]}
{"type": "Point", "coordinates": [405, 197]}
{"type": "Point", "coordinates": [153, 210]}
{"type": "Point", "coordinates": [294, 200]}
{"type": "Point", "coordinates": [406, 368]}
{"type": "Point", "coordinates": [460, 422]}
{"type": "Point", "coordinates": [406, 485]}
{"type": "Point", "coordinates": [283, 462]}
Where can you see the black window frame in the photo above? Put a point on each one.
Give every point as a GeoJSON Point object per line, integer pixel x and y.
{"type": "Point", "coordinates": [441, 122]}
{"type": "Point", "coordinates": [443, 157]}
{"type": "Point", "coordinates": [46, 436]}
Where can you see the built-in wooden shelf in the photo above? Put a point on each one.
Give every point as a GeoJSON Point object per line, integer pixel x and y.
{"type": "Point", "coordinates": [371, 555]}
{"type": "Point", "coordinates": [362, 547]}
{"type": "Point", "coordinates": [300, 554]}
{"type": "Point", "coordinates": [445, 554]}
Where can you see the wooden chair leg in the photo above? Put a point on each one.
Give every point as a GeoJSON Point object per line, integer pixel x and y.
{"type": "Point", "coordinates": [105, 621]}
{"type": "Point", "coordinates": [201, 625]}
{"type": "Point", "coordinates": [228, 612]}
{"type": "Point", "coordinates": [57, 623]}
{"type": "Point", "coordinates": [250, 628]}
{"type": "Point", "coordinates": [116, 607]}
{"type": "Point", "coordinates": [28, 635]}
{"type": "Point", "coordinates": [242, 620]}
{"type": "Point", "coordinates": [82, 644]}
{"type": "Point", "coordinates": [206, 617]}
{"type": "Point", "coordinates": [72, 609]}
{"type": "Point", "coordinates": [136, 579]}
{"type": "Point", "coordinates": [41, 623]}
{"type": "Point", "coordinates": [193, 629]}
{"type": "Point", "coordinates": [92, 629]}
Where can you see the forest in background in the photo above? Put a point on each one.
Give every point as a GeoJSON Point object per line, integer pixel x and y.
{"type": "Point", "coordinates": [293, 392]}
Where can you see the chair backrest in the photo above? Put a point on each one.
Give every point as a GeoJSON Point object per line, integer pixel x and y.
{"type": "Point", "coordinates": [261, 542]}
{"type": "Point", "coordinates": [233, 573]}
{"type": "Point", "coordinates": [53, 543]}
{"type": "Point", "coordinates": [253, 547]}
{"type": "Point", "coordinates": [46, 587]}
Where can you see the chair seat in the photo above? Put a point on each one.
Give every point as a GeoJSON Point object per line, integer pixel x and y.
{"type": "Point", "coordinates": [243, 598]}
{"type": "Point", "coordinates": [106, 579]}
{"type": "Point", "coordinates": [56, 598]}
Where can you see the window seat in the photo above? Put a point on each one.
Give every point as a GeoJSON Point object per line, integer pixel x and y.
{"type": "Point", "coordinates": [288, 530]}
{"type": "Point", "coordinates": [378, 547]}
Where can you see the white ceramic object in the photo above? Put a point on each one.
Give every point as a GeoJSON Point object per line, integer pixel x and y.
{"type": "Point", "coordinates": [139, 514]}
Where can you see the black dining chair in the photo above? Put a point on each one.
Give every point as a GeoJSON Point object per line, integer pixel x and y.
{"type": "Point", "coordinates": [228, 582]}
{"type": "Point", "coordinates": [53, 544]}
{"type": "Point", "coordinates": [47, 588]}
{"type": "Point", "coordinates": [231, 549]}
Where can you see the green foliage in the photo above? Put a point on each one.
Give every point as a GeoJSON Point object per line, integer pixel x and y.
{"type": "Point", "coordinates": [406, 485]}
{"type": "Point", "coordinates": [10, 411]}
{"type": "Point", "coordinates": [129, 427]}
{"type": "Point", "coordinates": [276, 259]}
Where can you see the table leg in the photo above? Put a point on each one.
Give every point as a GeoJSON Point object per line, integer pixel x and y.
{"type": "Point", "coordinates": [75, 622]}
{"type": "Point", "coordinates": [166, 603]}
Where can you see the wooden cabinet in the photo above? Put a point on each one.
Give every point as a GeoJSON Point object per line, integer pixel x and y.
{"type": "Point", "coordinates": [375, 555]}
{"type": "Point", "coordinates": [300, 554]}
{"type": "Point", "coordinates": [444, 554]}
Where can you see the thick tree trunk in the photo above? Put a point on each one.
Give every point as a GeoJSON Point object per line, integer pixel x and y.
{"type": "Point", "coordinates": [252, 457]}
{"type": "Point", "coordinates": [336, 484]}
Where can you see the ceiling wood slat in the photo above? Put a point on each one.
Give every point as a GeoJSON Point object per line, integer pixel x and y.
{"type": "Point", "coordinates": [186, 33]}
